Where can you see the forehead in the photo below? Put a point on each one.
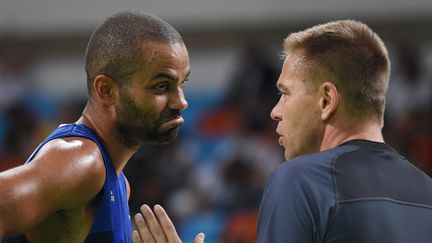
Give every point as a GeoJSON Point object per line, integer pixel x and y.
{"type": "Point", "coordinates": [157, 56]}
{"type": "Point", "coordinates": [291, 74]}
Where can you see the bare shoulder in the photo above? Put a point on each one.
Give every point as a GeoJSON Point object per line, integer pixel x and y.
{"type": "Point", "coordinates": [75, 165]}
{"type": "Point", "coordinates": [65, 174]}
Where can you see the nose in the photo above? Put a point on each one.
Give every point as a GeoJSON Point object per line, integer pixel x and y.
{"type": "Point", "coordinates": [178, 101]}
{"type": "Point", "coordinates": [275, 113]}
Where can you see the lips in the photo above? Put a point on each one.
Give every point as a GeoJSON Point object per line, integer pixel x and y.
{"type": "Point", "coordinates": [175, 121]}
{"type": "Point", "coordinates": [171, 118]}
{"type": "Point", "coordinates": [280, 137]}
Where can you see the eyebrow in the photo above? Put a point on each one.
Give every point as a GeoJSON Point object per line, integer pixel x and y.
{"type": "Point", "coordinates": [166, 75]}
{"type": "Point", "coordinates": [280, 86]}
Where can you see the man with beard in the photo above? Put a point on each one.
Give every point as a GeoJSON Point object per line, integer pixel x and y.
{"type": "Point", "coordinates": [72, 188]}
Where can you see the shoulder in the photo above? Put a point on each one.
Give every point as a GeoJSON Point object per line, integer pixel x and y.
{"type": "Point", "coordinates": [75, 153]}
{"type": "Point", "coordinates": [74, 164]}
{"type": "Point", "coordinates": [304, 168]}
{"type": "Point", "coordinates": [310, 166]}
{"type": "Point", "coordinates": [309, 177]}
{"type": "Point", "coordinates": [296, 198]}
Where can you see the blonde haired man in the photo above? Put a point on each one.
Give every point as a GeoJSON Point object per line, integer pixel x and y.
{"type": "Point", "coordinates": [341, 182]}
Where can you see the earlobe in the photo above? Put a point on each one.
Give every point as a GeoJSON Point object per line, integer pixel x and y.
{"type": "Point", "coordinates": [104, 88]}
{"type": "Point", "coordinates": [329, 100]}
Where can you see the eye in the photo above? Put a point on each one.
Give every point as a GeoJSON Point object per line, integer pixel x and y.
{"type": "Point", "coordinates": [160, 88]}
{"type": "Point", "coordinates": [183, 83]}
{"type": "Point", "coordinates": [280, 93]}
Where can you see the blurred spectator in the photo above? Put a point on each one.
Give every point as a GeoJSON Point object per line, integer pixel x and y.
{"type": "Point", "coordinates": [409, 106]}
{"type": "Point", "coordinates": [15, 76]}
{"type": "Point", "coordinates": [240, 227]}
{"type": "Point", "coordinates": [253, 87]}
{"type": "Point", "coordinates": [18, 140]}
{"type": "Point", "coordinates": [17, 124]}
{"type": "Point", "coordinates": [410, 86]}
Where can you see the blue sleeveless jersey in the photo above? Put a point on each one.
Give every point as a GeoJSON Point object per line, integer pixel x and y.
{"type": "Point", "coordinates": [112, 222]}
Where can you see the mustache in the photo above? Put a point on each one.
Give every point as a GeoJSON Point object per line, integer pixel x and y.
{"type": "Point", "coordinates": [169, 114]}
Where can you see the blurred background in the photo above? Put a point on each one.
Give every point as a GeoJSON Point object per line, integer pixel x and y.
{"type": "Point", "coordinates": [211, 179]}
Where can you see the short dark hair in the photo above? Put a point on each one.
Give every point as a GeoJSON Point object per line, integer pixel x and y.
{"type": "Point", "coordinates": [114, 49]}
{"type": "Point", "coordinates": [351, 55]}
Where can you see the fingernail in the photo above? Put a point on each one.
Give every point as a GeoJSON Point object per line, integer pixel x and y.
{"type": "Point", "coordinates": [139, 218]}
{"type": "Point", "coordinates": [135, 236]}
{"type": "Point", "coordinates": [201, 236]}
{"type": "Point", "coordinates": [158, 207]}
{"type": "Point", "coordinates": [145, 206]}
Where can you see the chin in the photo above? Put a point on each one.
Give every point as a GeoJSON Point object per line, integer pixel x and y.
{"type": "Point", "coordinates": [162, 141]}
{"type": "Point", "coordinates": [290, 155]}
{"type": "Point", "coordinates": [166, 138]}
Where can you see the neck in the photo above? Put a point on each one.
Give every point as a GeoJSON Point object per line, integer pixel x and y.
{"type": "Point", "coordinates": [101, 120]}
{"type": "Point", "coordinates": [334, 135]}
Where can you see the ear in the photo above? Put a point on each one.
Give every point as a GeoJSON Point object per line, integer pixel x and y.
{"type": "Point", "coordinates": [105, 89]}
{"type": "Point", "coordinates": [329, 100]}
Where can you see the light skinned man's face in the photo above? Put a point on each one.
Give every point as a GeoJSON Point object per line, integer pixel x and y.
{"type": "Point", "coordinates": [297, 111]}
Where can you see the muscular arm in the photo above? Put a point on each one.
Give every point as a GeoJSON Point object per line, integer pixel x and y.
{"type": "Point", "coordinates": [66, 173]}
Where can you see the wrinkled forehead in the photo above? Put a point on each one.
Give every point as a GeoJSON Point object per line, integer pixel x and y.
{"type": "Point", "coordinates": [163, 60]}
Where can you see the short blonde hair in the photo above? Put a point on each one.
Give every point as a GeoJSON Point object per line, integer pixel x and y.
{"type": "Point", "coordinates": [349, 54]}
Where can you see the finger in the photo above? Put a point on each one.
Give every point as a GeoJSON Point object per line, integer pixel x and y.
{"type": "Point", "coordinates": [144, 232]}
{"type": "Point", "coordinates": [153, 224]}
{"type": "Point", "coordinates": [167, 225]}
{"type": "Point", "coordinates": [199, 238]}
{"type": "Point", "coordinates": [135, 237]}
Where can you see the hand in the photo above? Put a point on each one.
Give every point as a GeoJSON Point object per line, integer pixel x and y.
{"type": "Point", "coordinates": [157, 227]}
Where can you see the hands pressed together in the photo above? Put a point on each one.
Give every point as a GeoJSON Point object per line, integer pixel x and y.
{"type": "Point", "coordinates": [156, 227]}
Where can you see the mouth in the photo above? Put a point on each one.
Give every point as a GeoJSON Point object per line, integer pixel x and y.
{"type": "Point", "coordinates": [174, 121]}
{"type": "Point", "coordinates": [280, 140]}
{"type": "Point", "coordinates": [280, 137]}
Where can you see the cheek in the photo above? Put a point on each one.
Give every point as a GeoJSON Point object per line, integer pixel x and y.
{"type": "Point", "coordinates": [160, 106]}
{"type": "Point", "coordinates": [153, 103]}
{"type": "Point", "coordinates": [288, 118]}
{"type": "Point", "coordinates": [293, 123]}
